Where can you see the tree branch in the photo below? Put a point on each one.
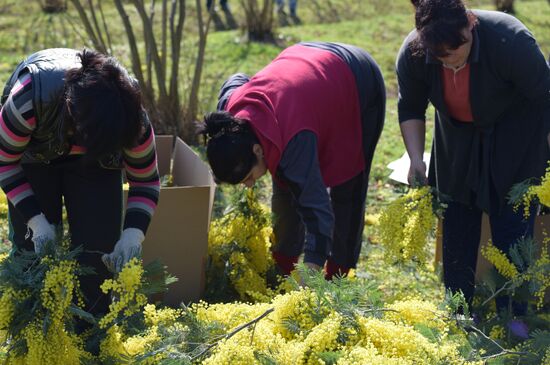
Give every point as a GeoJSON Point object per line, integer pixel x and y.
{"type": "Point", "coordinates": [87, 25]}
{"type": "Point", "coordinates": [150, 42]}
{"type": "Point", "coordinates": [164, 24]}
{"type": "Point", "coordinates": [148, 58]}
{"type": "Point", "coordinates": [136, 61]}
{"type": "Point", "coordinates": [107, 33]}
{"type": "Point", "coordinates": [96, 26]}
{"type": "Point", "coordinates": [233, 333]}
{"type": "Point", "coordinates": [176, 35]}
{"type": "Point", "coordinates": [502, 288]}
{"type": "Point", "coordinates": [502, 349]}
{"type": "Point", "coordinates": [192, 106]}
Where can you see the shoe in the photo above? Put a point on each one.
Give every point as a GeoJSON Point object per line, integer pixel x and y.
{"type": "Point", "coordinates": [283, 19]}
{"type": "Point", "coordinates": [296, 19]}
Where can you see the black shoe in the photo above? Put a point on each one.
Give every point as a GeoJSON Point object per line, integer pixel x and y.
{"type": "Point", "coordinates": [283, 18]}
{"type": "Point", "coordinates": [218, 23]}
{"type": "Point", "coordinates": [296, 19]}
{"type": "Point", "coordinates": [229, 19]}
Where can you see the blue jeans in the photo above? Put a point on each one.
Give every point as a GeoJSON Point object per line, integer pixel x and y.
{"type": "Point", "coordinates": [291, 5]}
{"type": "Point", "coordinates": [223, 4]}
{"type": "Point", "coordinates": [461, 235]}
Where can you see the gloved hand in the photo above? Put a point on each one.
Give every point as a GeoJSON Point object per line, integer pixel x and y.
{"type": "Point", "coordinates": [127, 247]}
{"type": "Point", "coordinates": [42, 232]}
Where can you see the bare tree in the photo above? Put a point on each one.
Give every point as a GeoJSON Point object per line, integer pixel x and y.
{"type": "Point", "coordinates": [506, 6]}
{"type": "Point", "coordinates": [156, 65]}
{"type": "Point", "coordinates": [259, 20]}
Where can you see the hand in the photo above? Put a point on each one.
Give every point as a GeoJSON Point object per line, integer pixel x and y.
{"type": "Point", "coordinates": [42, 232]}
{"type": "Point", "coordinates": [127, 247]}
{"type": "Point", "coordinates": [417, 173]}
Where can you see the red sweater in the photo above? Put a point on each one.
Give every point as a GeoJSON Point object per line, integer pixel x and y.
{"type": "Point", "coordinates": [305, 88]}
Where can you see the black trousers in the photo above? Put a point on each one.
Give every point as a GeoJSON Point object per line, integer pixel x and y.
{"type": "Point", "coordinates": [93, 199]}
{"type": "Point", "coordinates": [461, 235]}
{"type": "Point", "coordinates": [348, 199]}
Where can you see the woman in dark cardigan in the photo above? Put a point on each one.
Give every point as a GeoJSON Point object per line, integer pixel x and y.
{"type": "Point", "coordinates": [490, 86]}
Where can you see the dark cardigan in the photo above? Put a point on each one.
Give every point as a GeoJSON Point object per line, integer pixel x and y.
{"type": "Point", "coordinates": [477, 163]}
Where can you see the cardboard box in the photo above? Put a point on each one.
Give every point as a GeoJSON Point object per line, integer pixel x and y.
{"type": "Point", "coordinates": [178, 233]}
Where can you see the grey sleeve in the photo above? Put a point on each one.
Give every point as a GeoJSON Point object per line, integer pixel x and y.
{"type": "Point", "coordinates": [299, 169]}
{"type": "Point", "coordinates": [232, 83]}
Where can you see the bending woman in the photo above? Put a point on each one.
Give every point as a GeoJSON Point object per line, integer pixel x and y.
{"type": "Point", "coordinates": [312, 118]}
{"type": "Point", "coordinates": [70, 124]}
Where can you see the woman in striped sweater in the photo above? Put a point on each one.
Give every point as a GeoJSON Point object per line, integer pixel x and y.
{"type": "Point", "coordinates": [70, 123]}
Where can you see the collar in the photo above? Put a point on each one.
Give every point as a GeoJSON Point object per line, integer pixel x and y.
{"type": "Point", "coordinates": [473, 57]}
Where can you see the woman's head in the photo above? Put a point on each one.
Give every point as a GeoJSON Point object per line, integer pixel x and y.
{"type": "Point", "coordinates": [444, 28]}
{"type": "Point", "coordinates": [103, 105]}
{"type": "Point", "coordinates": [233, 150]}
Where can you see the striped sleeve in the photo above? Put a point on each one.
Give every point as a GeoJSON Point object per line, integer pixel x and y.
{"type": "Point", "coordinates": [142, 174]}
{"type": "Point", "coordinates": [17, 122]}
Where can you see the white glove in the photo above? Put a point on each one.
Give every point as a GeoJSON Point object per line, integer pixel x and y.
{"type": "Point", "coordinates": [127, 247]}
{"type": "Point", "coordinates": [42, 232]}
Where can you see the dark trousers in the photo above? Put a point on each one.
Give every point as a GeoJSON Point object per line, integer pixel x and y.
{"type": "Point", "coordinates": [348, 199]}
{"type": "Point", "coordinates": [348, 205]}
{"type": "Point", "coordinates": [93, 199]}
{"type": "Point", "coordinates": [223, 4]}
{"type": "Point", "coordinates": [461, 235]}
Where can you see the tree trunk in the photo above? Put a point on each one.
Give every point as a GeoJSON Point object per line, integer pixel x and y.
{"type": "Point", "coordinates": [187, 128]}
{"type": "Point", "coordinates": [54, 6]}
{"type": "Point", "coordinates": [259, 20]}
{"type": "Point", "coordinates": [506, 6]}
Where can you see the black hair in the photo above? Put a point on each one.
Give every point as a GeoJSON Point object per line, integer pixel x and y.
{"type": "Point", "coordinates": [229, 148]}
{"type": "Point", "coordinates": [102, 104]}
{"type": "Point", "coordinates": [439, 24]}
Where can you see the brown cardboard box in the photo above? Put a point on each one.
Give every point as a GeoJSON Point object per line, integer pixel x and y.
{"type": "Point", "coordinates": [542, 223]}
{"type": "Point", "coordinates": [178, 234]}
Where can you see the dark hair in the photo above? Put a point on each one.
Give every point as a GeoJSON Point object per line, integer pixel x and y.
{"type": "Point", "coordinates": [439, 24]}
{"type": "Point", "coordinates": [103, 105]}
{"type": "Point", "coordinates": [229, 147]}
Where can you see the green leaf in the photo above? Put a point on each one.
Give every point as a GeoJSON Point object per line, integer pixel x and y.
{"type": "Point", "coordinates": [264, 359]}
{"type": "Point", "coordinates": [541, 340]}
{"type": "Point", "coordinates": [431, 334]}
{"type": "Point", "coordinates": [330, 357]}
{"type": "Point", "coordinates": [82, 314]}
{"type": "Point", "coordinates": [515, 196]}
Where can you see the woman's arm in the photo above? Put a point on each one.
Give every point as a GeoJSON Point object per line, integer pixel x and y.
{"type": "Point", "coordinates": [414, 135]}
{"type": "Point", "coordinates": [142, 174]}
{"type": "Point", "coordinates": [299, 169]}
{"type": "Point", "coordinates": [17, 122]}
